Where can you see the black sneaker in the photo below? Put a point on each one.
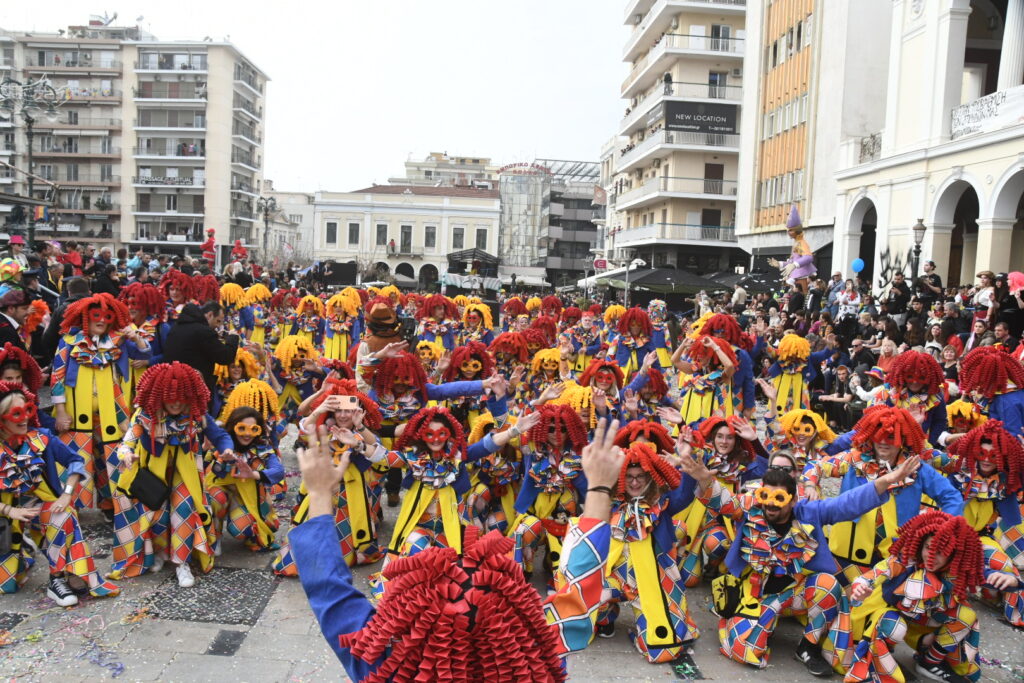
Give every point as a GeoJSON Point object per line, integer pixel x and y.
{"type": "Point", "coordinates": [59, 591]}
{"type": "Point", "coordinates": [810, 655]}
{"type": "Point", "coordinates": [938, 672]}
{"type": "Point", "coordinates": [606, 630]}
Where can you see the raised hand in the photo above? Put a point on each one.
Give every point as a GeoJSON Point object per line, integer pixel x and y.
{"type": "Point", "coordinates": [631, 402]}
{"type": "Point", "coordinates": [602, 459]}
{"type": "Point", "coordinates": [670, 415]}
{"type": "Point", "coordinates": [552, 392]}
{"type": "Point", "coordinates": [744, 429]}
{"type": "Point", "coordinates": [320, 474]}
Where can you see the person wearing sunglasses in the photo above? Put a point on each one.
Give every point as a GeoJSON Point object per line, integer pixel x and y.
{"type": "Point", "coordinates": [782, 560]}
{"type": "Point", "coordinates": [32, 494]}
{"type": "Point", "coordinates": [239, 483]}
{"type": "Point", "coordinates": [90, 371]}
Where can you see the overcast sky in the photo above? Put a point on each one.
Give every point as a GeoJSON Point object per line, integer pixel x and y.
{"type": "Point", "coordinates": [358, 87]}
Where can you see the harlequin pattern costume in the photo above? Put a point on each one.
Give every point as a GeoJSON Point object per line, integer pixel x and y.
{"type": "Point", "coordinates": [793, 371]}
{"type": "Point", "coordinates": [237, 313]}
{"type": "Point", "coordinates": [147, 308]}
{"type": "Point", "coordinates": [633, 341]}
{"type": "Point", "coordinates": [477, 325]}
{"type": "Point", "coordinates": [999, 378]}
{"type": "Point", "coordinates": [438, 315]}
{"type": "Point", "coordinates": [342, 327]}
{"type": "Point", "coordinates": [257, 298]}
{"type": "Point", "coordinates": [178, 290]}
{"type": "Point", "coordinates": [922, 370]}
{"type": "Point", "coordinates": [308, 320]}
{"type": "Point", "coordinates": [708, 391]}
{"type": "Point", "coordinates": [725, 327]}
{"type": "Point", "coordinates": [297, 381]}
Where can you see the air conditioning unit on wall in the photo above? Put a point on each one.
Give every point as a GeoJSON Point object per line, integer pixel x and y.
{"type": "Point", "coordinates": [737, 72]}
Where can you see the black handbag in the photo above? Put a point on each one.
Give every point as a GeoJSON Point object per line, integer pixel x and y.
{"type": "Point", "coordinates": [149, 489]}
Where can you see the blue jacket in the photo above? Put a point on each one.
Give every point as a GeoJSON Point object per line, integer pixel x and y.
{"type": "Point", "coordinates": [928, 482]}
{"type": "Point", "coordinates": [481, 449]}
{"type": "Point", "coordinates": [1010, 409]}
{"type": "Point", "coordinates": [743, 378]}
{"type": "Point", "coordinates": [529, 491]}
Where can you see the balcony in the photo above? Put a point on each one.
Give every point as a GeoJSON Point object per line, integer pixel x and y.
{"type": "Point", "coordinates": [81, 179]}
{"type": "Point", "coordinates": [167, 181]}
{"type": "Point", "coordinates": [246, 160]}
{"type": "Point", "coordinates": [671, 46]}
{"type": "Point", "coordinates": [183, 151]}
{"type": "Point", "coordinates": [107, 211]}
{"type": "Point", "coordinates": [243, 215]}
{"type": "Point", "coordinates": [81, 63]}
{"type": "Point", "coordinates": [996, 111]}
{"type": "Point", "coordinates": [250, 136]}
{"type": "Point", "coordinates": [249, 80]}
{"type": "Point", "coordinates": [681, 188]}
{"type": "Point", "coordinates": [167, 63]}
{"type": "Point", "coordinates": [77, 152]}
{"type": "Point", "coordinates": [243, 233]}
{"type": "Point", "coordinates": [566, 263]}
{"type": "Point", "coordinates": [250, 109]}
{"type": "Point", "coordinates": [197, 96]}
{"type": "Point", "coordinates": [144, 238]}
{"type": "Point", "coordinates": [81, 123]}
{"type": "Point", "coordinates": [671, 140]}
{"type": "Point", "coordinates": [659, 19]}
{"type": "Point", "coordinates": [637, 117]}
{"type": "Point", "coordinates": [153, 212]}
{"type": "Point", "coordinates": [244, 188]}
{"type": "Point", "coordinates": [677, 233]}
{"type": "Point", "coordinates": [93, 95]}
{"type": "Point", "coordinates": [158, 126]}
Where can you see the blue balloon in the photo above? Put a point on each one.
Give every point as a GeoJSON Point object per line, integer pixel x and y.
{"type": "Point", "coordinates": [857, 265]}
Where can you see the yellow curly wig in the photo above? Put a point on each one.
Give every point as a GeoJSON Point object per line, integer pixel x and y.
{"type": "Point", "coordinates": [698, 325]}
{"type": "Point", "coordinates": [436, 350]}
{"type": "Point", "coordinates": [391, 291]}
{"type": "Point", "coordinates": [961, 409]}
{"type": "Point", "coordinates": [475, 300]}
{"type": "Point", "coordinates": [482, 422]}
{"type": "Point", "coordinates": [533, 304]}
{"type": "Point", "coordinates": [578, 398]}
{"type": "Point", "coordinates": [461, 300]}
{"type": "Point", "coordinates": [257, 293]}
{"type": "Point", "coordinates": [290, 345]}
{"type": "Point", "coordinates": [250, 366]}
{"type": "Point", "coordinates": [310, 304]}
{"type": "Point", "coordinates": [613, 313]}
{"type": "Point", "coordinates": [346, 302]}
{"type": "Point", "coordinates": [794, 417]}
{"type": "Point", "coordinates": [232, 294]}
{"type": "Point", "coordinates": [543, 355]}
{"type": "Point", "coordinates": [793, 347]}
{"type": "Point", "coordinates": [373, 291]}
{"type": "Point", "coordinates": [254, 393]}
{"type": "Point", "coordinates": [485, 312]}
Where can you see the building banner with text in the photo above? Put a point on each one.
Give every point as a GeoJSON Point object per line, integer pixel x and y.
{"type": "Point", "coordinates": [701, 117]}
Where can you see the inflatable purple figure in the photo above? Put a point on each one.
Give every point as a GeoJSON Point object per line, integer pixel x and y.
{"type": "Point", "coordinates": [799, 268]}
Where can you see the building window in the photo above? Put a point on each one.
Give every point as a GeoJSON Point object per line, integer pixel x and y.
{"type": "Point", "coordinates": [171, 202]}
{"type": "Point", "coordinates": [295, 218]}
{"type": "Point", "coordinates": [72, 172]}
{"type": "Point", "coordinates": [799, 35]}
{"type": "Point", "coordinates": [331, 233]}
{"type": "Point", "coordinates": [382, 235]}
{"type": "Point", "coordinates": [458, 238]}
{"type": "Point", "coordinates": [807, 29]}
{"type": "Point", "coordinates": [803, 105]}
{"type": "Point", "coordinates": [481, 238]}
{"type": "Point", "coordinates": [405, 237]}
{"type": "Point", "coordinates": [353, 233]}
{"type": "Point", "coordinates": [430, 237]}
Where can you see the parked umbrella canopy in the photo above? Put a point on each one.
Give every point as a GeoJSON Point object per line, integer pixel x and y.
{"type": "Point", "coordinates": [666, 281]}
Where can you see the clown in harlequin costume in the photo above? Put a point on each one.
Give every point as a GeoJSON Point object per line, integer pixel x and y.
{"type": "Point", "coordinates": [553, 484]}
{"type": "Point", "coordinates": [165, 439]}
{"type": "Point", "coordinates": [551, 306]}
{"type": "Point", "coordinates": [205, 288]}
{"type": "Point", "coordinates": [256, 298]}
{"type": "Point", "coordinates": [178, 290]}
{"type": "Point", "coordinates": [239, 483]}
{"type": "Point", "coordinates": [282, 304]}
{"type": "Point", "coordinates": [533, 306]}
{"type": "Point", "coordinates": [724, 326]}
{"type": "Point", "coordinates": [343, 327]}
{"type": "Point", "coordinates": [380, 338]}
{"type": "Point", "coordinates": [490, 503]}
{"type": "Point", "coordinates": [147, 308]}
{"type": "Point", "coordinates": [883, 438]}
{"type": "Point", "coordinates": [780, 562]}
{"type": "Point", "coordinates": [548, 327]}
{"type": "Point", "coordinates": [920, 594]}
{"type": "Point", "coordinates": [644, 431]}
{"type": "Point", "coordinates": [708, 391]}
{"type": "Point", "coordinates": [544, 371]}
{"type": "Point", "coordinates": [18, 367]}
{"type": "Point", "coordinates": [535, 340]}
{"type": "Point", "coordinates": [569, 318]}
{"type": "Point", "coordinates": [793, 371]}
{"type": "Point", "coordinates": [477, 325]}
{"type": "Point", "coordinates": [657, 311]}
{"type": "Point", "coordinates": [469, 363]}
{"type": "Point", "coordinates": [438, 317]}
{"type": "Point", "coordinates": [803, 433]}
{"type": "Point", "coordinates": [634, 340]}
{"type": "Point", "coordinates": [308, 320]}
{"type": "Point", "coordinates": [255, 393]}
{"type": "Point", "coordinates": [89, 386]}
{"type": "Point", "coordinates": [514, 316]}
{"type": "Point", "coordinates": [509, 351]}
{"type": "Point", "coordinates": [915, 379]}
{"type": "Point", "coordinates": [32, 493]}
{"type": "Point", "coordinates": [586, 340]}
{"type": "Point", "coordinates": [430, 355]}
{"type": "Point", "coordinates": [963, 416]}
{"type": "Point", "coordinates": [237, 312]}
{"type": "Point", "coordinates": [244, 367]}
{"type": "Point", "coordinates": [612, 315]}
{"type": "Point", "coordinates": [605, 380]}
{"type": "Point", "coordinates": [991, 474]}
{"type": "Point", "coordinates": [297, 371]}
{"type": "Point", "coordinates": [728, 448]}
{"type": "Point", "coordinates": [394, 295]}
{"type": "Point", "coordinates": [998, 379]}
{"type": "Point", "coordinates": [641, 570]}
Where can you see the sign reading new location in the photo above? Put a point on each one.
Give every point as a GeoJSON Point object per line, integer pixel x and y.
{"type": "Point", "coordinates": [701, 117]}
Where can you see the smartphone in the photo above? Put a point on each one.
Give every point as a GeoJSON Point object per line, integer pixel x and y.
{"type": "Point", "coordinates": [348, 403]}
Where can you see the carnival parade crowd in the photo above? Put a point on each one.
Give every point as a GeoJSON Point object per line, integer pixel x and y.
{"type": "Point", "coordinates": [622, 455]}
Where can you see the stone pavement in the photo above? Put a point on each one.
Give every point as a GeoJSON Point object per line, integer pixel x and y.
{"type": "Point", "coordinates": [240, 623]}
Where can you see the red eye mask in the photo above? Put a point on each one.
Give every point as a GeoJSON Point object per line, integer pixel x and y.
{"type": "Point", "coordinates": [604, 376]}
{"type": "Point", "coordinates": [20, 414]}
{"type": "Point", "coordinates": [435, 437]}
{"type": "Point", "coordinates": [98, 315]}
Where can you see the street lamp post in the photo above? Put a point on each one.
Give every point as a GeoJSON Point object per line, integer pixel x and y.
{"type": "Point", "coordinates": [635, 263]}
{"type": "Point", "coordinates": [919, 230]}
{"type": "Point", "coordinates": [266, 206]}
{"type": "Point", "coordinates": [28, 100]}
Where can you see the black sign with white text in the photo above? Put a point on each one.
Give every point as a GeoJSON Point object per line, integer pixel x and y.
{"type": "Point", "coordinates": [701, 117]}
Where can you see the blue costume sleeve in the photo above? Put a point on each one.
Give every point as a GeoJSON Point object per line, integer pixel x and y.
{"type": "Point", "coordinates": [339, 606]}
{"type": "Point", "coordinates": [681, 497]}
{"type": "Point", "coordinates": [937, 422]}
{"type": "Point", "coordinates": [842, 444]}
{"type": "Point", "coordinates": [640, 380]}
{"type": "Point", "coordinates": [759, 345]}
{"type": "Point", "coordinates": [60, 452]}
{"type": "Point", "coordinates": [1009, 408]}
{"type": "Point", "coordinates": [844, 507]}
{"type": "Point", "coordinates": [936, 486]}
{"type": "Point", "coordinates": [273, 473]}
{"type": "Point", "coordinates": [481, 449]}
{"type": "Point", "coordinates": [744, 378]}
{"type": "Point", "coordinates": [498, 407]}
{"type": "Point", "coordinates": [440, 392]}
{"type": "Point", "coordinates": [217, 436]}
{"type": "Point", "coordinates": [594, 347]}
{"type": "Point", "coordinates": [488, 337]}
{"type": "Point", "coordinates": [135, 353]}
{"type": "Point", "coordinates": [1009, 512]}
{"type": "Point", "coordinates": [775, 370]}
{"type": "Point", "coordinates": [814, 362]}
{"type": "Point", "coordinates": [245, 319]}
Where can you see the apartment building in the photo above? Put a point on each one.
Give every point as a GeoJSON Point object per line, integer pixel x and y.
{"type": "Point", "coordinates": [439, 169]}
{"type": "Point", "coordinates": [155, 142]}
{"type": "Point", "coordinates": [675, 180]}
{"type": "Point", "coordinates": [404, 232]}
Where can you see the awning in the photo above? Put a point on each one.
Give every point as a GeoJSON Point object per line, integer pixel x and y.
{"type": "Point", "coordinates": [526, 281]}
{"type": "Point", "coordinates": [665, 281]}
{"type": "Point", "coordinates": [602, 278]}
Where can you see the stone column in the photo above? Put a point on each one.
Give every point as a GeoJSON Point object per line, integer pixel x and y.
{"type": "Point", "coordinates": [994, 238]}
{"type": "Point", "coordinates": [1011, 57]}
{"type": "Point", "coordinates": [936, 248]}
{"type": "Point", "coordinates": [969, 260]}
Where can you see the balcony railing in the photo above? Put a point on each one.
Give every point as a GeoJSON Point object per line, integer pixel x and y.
{"type": "Point", "coordinates": [52, 61]}
{"type": "Point", "coordinates": [249, 135]}
{"type": "Point", "coordinates": [243, 233]}
{"type": "Point", "coordinates": [81, 122]}
{"type": "Point", "coordinates": [188, 125]}
{"type": "Point", "coordinates": [659, 7]}
{"type": "Point", "coordinates": [84, 150]}
{"type": "Point", "coordinates": [60, 175]}
{"type": "Point", "coordinates": [249, 79]}
{"type": "Point", "coordinates": [139, 94]}
{"type": "Point", "coordinates": [168, 65]}
{"type": "Point", "coordinates": [247, 159]}
{"type": "Point", "coordinates": [243, 187]}
{"type": "Point", "coordinates": [167, 180]}
{"type": "Point", "coordinates": [680, 89]}
{"type": "Point", "coordinates": [179, 238]}
{"type": "Point", "coordinates": [678, 232]}
{"type": "Point", "coordinates": [180, 152]}
{"type": "Point", "coordinates": [246, 106]}
{"type": "Point", "coordinates": [8, 147]}
{"type": "Point", "coordinates": [694, 186]}
{"type": "Point", "coordinates": [92, 93]}
{"type": "Point", "coordinates": [682, 41]}
{"type": "Point", "coordinates": [674, 137]}
{"type": "Point", "coordinates": [243, 213]}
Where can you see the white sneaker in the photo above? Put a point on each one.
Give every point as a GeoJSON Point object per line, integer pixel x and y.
{"type": "Point", "coordinates": [217, 549]}
{"type": "Point", "coordinates": [158, 564]}
{"type": "Point", "coordinates": [185, 578]}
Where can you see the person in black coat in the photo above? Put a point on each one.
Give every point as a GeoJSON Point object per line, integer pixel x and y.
{"type": "Point", "coordinates": [106, 282]}
{"type": "Point", "coordinates": [76, 288]}
{"type": "Point", "coordinates": [14, 308]}
{"type": "Point", "coordinates": [193, 341]}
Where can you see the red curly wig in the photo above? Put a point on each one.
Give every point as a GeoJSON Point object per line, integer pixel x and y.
{"type": "Point", "coordinates": [282, 298]}
{"type": "Point", "coordinates": [571, 315]}
{"type": "Point", "coordinates": [537, 337]}
{"type": "Point", "coordinates": [339, 366]}
{"type": "Point", "coordinates": [635, 316]}
{"type": "Point", "coordinates": [710, 426]}
{"type": "Point", "coordinates": [177, 279]}
{"type": "Point", "coordinates": [31, 374]}
{"type": "Point", "coordinates": [514, 307]}
{"type": "Point", "coordinates": [643, 455]}
{"type": "Point", "coordinates": [725, 327]}
{"type": "Point", "coordinates": [596, 310]}
{"type": "Point", "coordinates": [886, 424]}
{"type": "Point", "coordinates": [951, 536]}
{"type": "Point", "coordinates": [917, 366]}
{"type": "Point", "coordinates": [656, 383]}
{"type": "Point", "coordinates": [347, 387]}
{"type": "Point", "coordinates": [206, 288]}
{"type": "Point", "coordinates": [702, 355]}
{"type": "Point", "coordinates": [548, 326]}
{"type": "Point", "coordinates": [414, 429]}
{"type": "Point", "coordinates": [474, 350]}
{"type": "Point", "coordinates": [551, 306]}
{"type": "Point", "coordinates": [654, 432]}
{"type": "Point", "coordinates": [77, 314]}
{"type": "Point", "coordinates": [989, 370]}
{"type": "Point", "coordinates": [512, 343]}
{"type": "Point", "coordinates": [404, 366]}
{"type": "Point", "coordinates": [559, 414]}
{"type": "Point", "coordinates": [445, 617]}
{"type": "Point", "coordinates": [1007, 453]}
{"type": "Point", "coordinates": [8, 388]}
{"type": "Point", "coordinates": [147, 298]}
{"type": "Point", "coordinates": [428, 304]}
{"type": "Point", "coordinates": [172, 383]}
{"type": "Point", "coordinates": [597, 365]}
